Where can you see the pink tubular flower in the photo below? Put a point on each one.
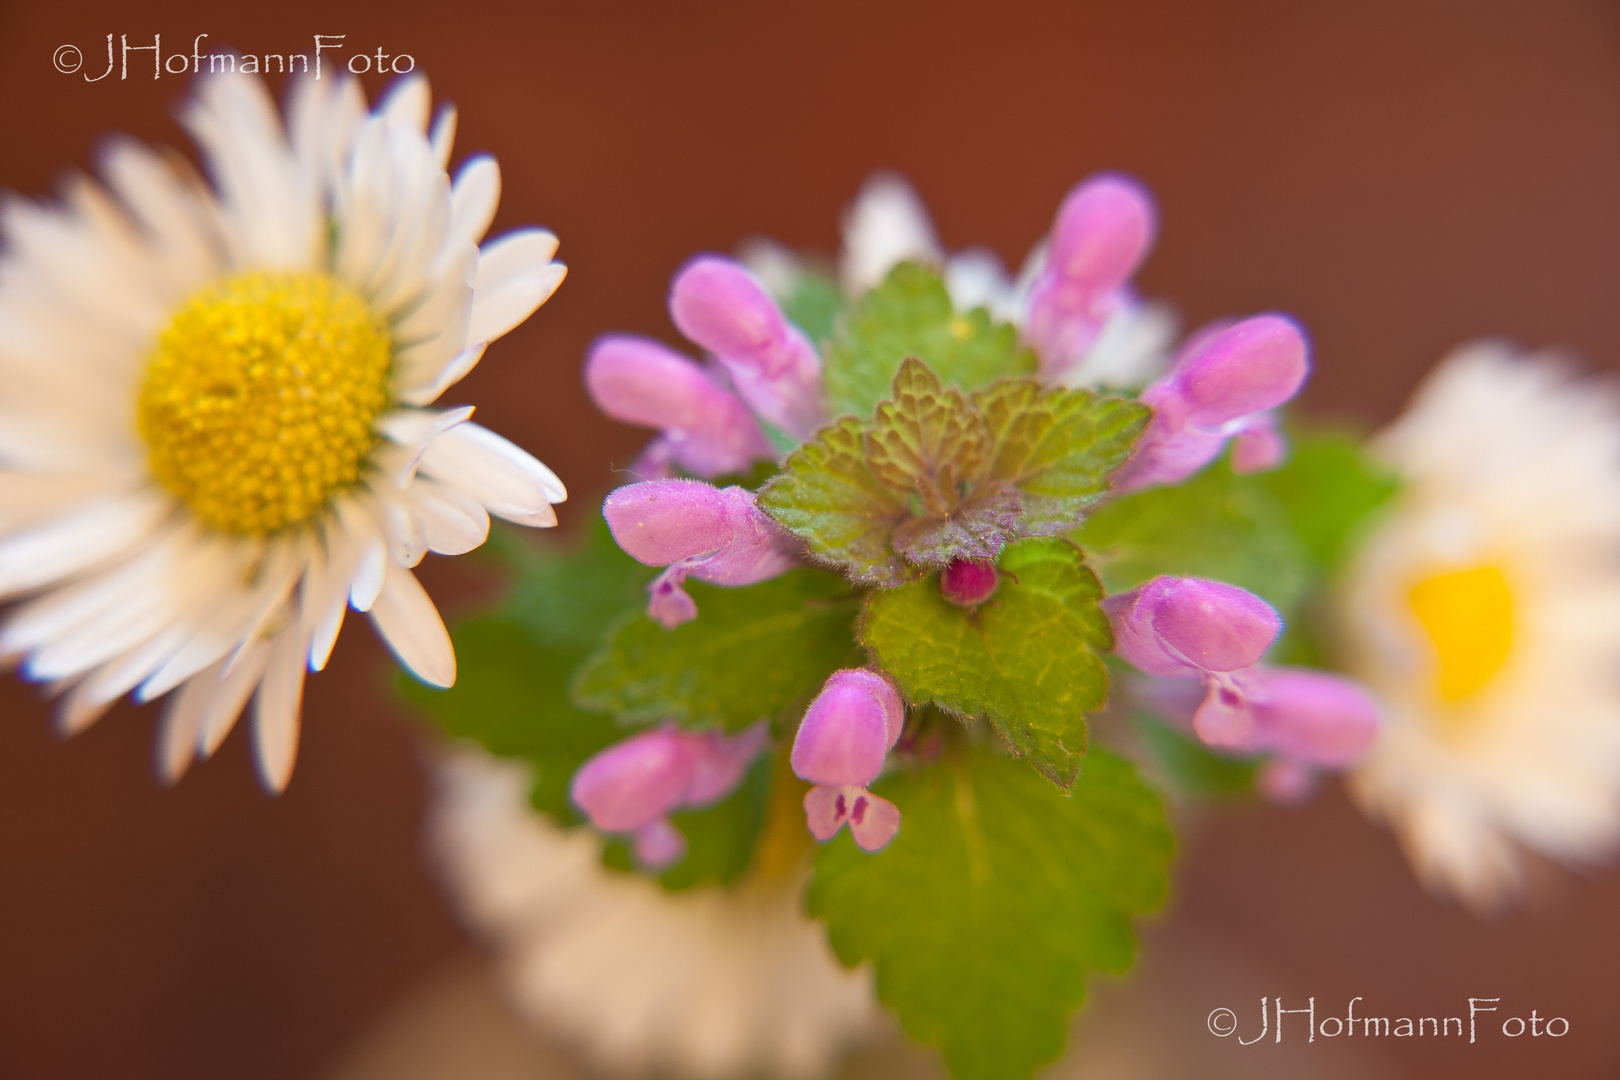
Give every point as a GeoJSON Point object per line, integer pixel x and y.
{"type": "Point", "coordinates": [724, 308]}
{"type": "Point", "coordinates": [634, 785]}
{"type": "Point", "coordinates": [1102, 233]}
{"type": "Point", "coordinates": [1223, 385]}
{"type": "Point", "coordinates": [695, 530]}
{"type": "Point", "coordinates": [1184, 628]}
{"type": "Point", "coordinates": [840, 747]}
{"type": "Point", "coordinates": [707, 430]}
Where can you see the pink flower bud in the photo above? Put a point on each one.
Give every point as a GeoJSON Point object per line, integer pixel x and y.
{"type": "Point", "coordinates": [658, 845]}
{"type": "Point", "coordinates": [1176, 626]}
{"type": "Point", "coordinates": [721, 761]}
{"type": "Point", "coordinates": [1221, 385]}
{"type": "Point", "coordinates": [1312, 716]}
{"type": "Point", "coordinates": [707, 429]}
{"type": "Point", "coordinates": [696, 530]}
{"type": "Point", "coordinates": [1285, 781]}
{"type": "Point", "coordinates": [1260, 446]}
{"type": "Point", "coordinates": [634, 782]}
{"type": "Point", "coordinates": [1103, 231]}
{"type": "Point", "coordinates": [968, 582]}
{"type": "Point", "coordinates": [722, 307]}
{"type": "Point", "coordinates": [848, 729]}
{"type": "Point", "coordinates": [873, 820]}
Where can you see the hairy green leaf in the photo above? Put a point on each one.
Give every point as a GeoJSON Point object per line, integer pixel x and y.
{"type": "Point", "coordinates": [910, 314]}
{"type": "Point", "coordinates": [995, 902]}
{"type": "Point", "coordinates": [751, 654]}
{"type": "Point", "coordinates": [1329, 487]}
{"type": "Point", "coordinates": [814, 303]}
{"type": "Point", "coordinates": [1027, 660]}
{"type": "Point", "coordinates": [828, 497]}
{"type": "Point", "coordinates": [1058, 447]}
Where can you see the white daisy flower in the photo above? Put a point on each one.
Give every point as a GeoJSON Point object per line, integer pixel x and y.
{"type": "Point", "coordinates": [710, 983]}
{"type": "Point", "coordinates": [215, 431]}
{"type": "Point", "coordinates": [1482, 611]}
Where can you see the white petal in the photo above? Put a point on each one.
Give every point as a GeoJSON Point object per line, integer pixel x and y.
{"type": "Point", "coordinates": [182, 727]}
{"type": "Point", "coordinates": [78, 710]}
{"type": "Point", "coordinates": [502, 476]}
{"type": "Point", "coordinates": [887, 224]}
{"type": "Point", "coordinates": [229, 693]}
{"type": "Point", "coordinates": [408, 103]}
{"type": "Point", "coordinates": [410, 624]}
{"type": "Point", "coordinates": [407, 539]}
{"type": "Point", "coordinates": [454, 521]}
{"type": "Point", "coordinates": [515, 276]}
{"type": "Point", "coordinates": [371, 553]}
{"type": "Point", "coordinates": [459, 367]}
{"type": "Point", "coordinates": [443, 136]}
{"type": "Point", "coordinates": [473, 198]}
{"type": "Point", "coordinates": [68, 545]}
{"type": "Point", "coordinates": [275, 711]}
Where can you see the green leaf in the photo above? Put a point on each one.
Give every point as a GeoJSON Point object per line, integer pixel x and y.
{"type": "Point", "coordinates": [1328, 488]}
{"type": "Point", "coordinates": [1027, 660]}
{"type": "Point", "coordinates": [814, 304]}
{"type": "Point", "coordinates": [994, 903]}
{"type": "Point", "coordinates": [720, 839]}
{"type": "Point", "coordinates": [926, 437]}
{"type": "Point", "coordinates": [828, 497]}
{"type": "Point", "coordinates": [751, 654]}
{"type": "Point", "coordinates": [910, 314]}
{"type": "Point", "coordinates": [1215, 525]}
{"type": "Point", "coordinates": [1057, 446]}
{"type": "Point", "coordinates": [511, 691]}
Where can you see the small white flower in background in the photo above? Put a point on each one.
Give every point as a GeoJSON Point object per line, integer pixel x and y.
{"type": "Point", "coordinates": [712, 982]}
{"type": "Point", "coordinates": [888, 224]}
{"type": "Point", "coordinates": [1482, 611]}
{"type": "Point", "coordinates": [215, 432]}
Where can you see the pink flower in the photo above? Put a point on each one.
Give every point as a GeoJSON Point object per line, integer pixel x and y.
{"type": "Point", "coordinates": [695, 530]}
{"type": "Point", "coordinates": [840, 747]}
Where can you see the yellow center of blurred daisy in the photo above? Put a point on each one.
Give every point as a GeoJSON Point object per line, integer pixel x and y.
{"type": "Point", "coordinates": [1469, 617]}
{"type": "Point", "coordinates": [261, 399]}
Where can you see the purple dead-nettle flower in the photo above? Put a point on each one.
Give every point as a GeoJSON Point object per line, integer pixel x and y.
{"type": "Point", "coordinates": [705, 428]}
{"type": "Point", "coordinates": [1181, 629]}
{"type": "Point", "coordinates": [695, 530]}
{"type": "Point", "coordinates": [1102, 233]}
{"type": "Point", "coordinates": [721, 306]}
{"type": "Point", "coordinates": [840, 747]}
{"type": "Point", "coordinates": [633, 786]}
{"type": "Point", "coordinates": [1223, 385]}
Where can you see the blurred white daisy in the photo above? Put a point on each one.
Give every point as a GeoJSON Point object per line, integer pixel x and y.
{"type": "Point", "coordinates": [711, 982]}
{"type": "Point", "coordinates": [214, 423]}
{"type": "Point", "coordinates": [888, 224]}
{"type": "Point", "coordinates": [1485, 612]}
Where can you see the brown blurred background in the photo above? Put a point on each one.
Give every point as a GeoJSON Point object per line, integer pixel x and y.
{"type": "Point", "coordinates": [1401, 176]}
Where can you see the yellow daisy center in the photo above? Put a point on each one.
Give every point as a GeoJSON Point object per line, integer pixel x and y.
{"type": "Point", "coordinates": [1469, 617]}
{"type": "Point", "coordinates": [261, 399]}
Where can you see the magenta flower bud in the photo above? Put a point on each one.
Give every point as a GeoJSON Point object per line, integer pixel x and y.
{"type": "Point", "coordinates": [720, 761]}
{"type": "Point", "coordinates": [1102, 233]}
{"type": "Point", "coordinates": [658, 522]}
{"type": "Point", "coordinates": [1222, 385]}
{"type": "Point", "coordinates": [848, 729]}
{"type": "Point", "coordinates": [1251, 366]}
{"type": "Point", "coordinates": [1259, 447]}
{"type": "Point", "coordinates": [707, 429]}
{"type": "Point", "coordinates": [1312, 716]}
{"type": "Point", "coordinates": [658, 845]}
{"type": "Point", "coordinates": [873, 820]}
{"type": "Point", "coordinates": [696, 530]}
{"type": "Point", "coordinates": [634, 782]}
{"type": "Point", "coordinates": [1177, 626]}
{"type": "Point", "coordinates": [968, 582]}
{"type": "Point", "coordinates": [1226, 717]}
{"type": "Point", "coordinates": [721, 306]}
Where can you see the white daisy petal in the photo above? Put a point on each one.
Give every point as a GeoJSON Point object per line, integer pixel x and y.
{"type": "Point", "coordinates": [370, 553]}
{"type": "Point", "coordinates": [79, 540]}
{"type": "Point", "coordinates": [275, 711]}
{"type": "Point", "coordinates": [887, 224]}
{"type": "Point", "coordinates": [230, 687]}
{"type": "Point", "coordinates": [473, 198]}
{"type": "Point", "coordinates": [443, 135]}
{"type": "Point", "coordinates": [515, 276]}
{"type": "Point", "coordinates": [509, 481]}
{"type": "Point", "coordinates": [453, 520]}
{"type": "Point", "coordinates": [410, 624]}
{"type": "Point", "coordinates": [407, 103]}
{"type": "Point", "coordinates": [181, 730]}
{"type": "Point", "coordinates": [459, 367]}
